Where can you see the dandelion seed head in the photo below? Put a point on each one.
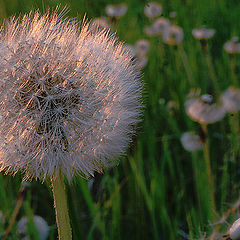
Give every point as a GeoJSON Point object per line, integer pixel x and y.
{"type": "Point", "coordinates": [40, 224]}
{"type": "Point", "coordinates": [117, 10]}
{"type": "Point", "coordinates": [232, 46]}
{"type": "Point", "coordinates": [160, 25]}
{"type": "Point", "coordinates": [141, 62]}
{"type": "Point", "coordinates": [152, 9]}
{"type": "Point", "coordinates": [173, 35]}
{"type": "Point", "coordinates": [234, 231]}
{"type": "Point", "coordinates": [231, 99]}
{"type": "Point", "coordinates": [142, 46]}
{"type": "Point", "coordinates": [203, 33]}
{"type": "Point", "coordinates": [69, 97]}
{"type": "Point", "coordinates": [191, 142]}
{"type": "Point", "coordinates": [203, 110]}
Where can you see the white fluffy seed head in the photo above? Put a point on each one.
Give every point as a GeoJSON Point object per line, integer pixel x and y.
{"type": "Point", "coordinates": [69, 97]}
{"type": "Point", "coordinates": [40, 224]}
{"type": "Point", "coordinates": [234, 231]}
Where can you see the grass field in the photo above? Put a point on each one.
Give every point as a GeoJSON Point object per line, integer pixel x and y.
{"type": "Point", "coordinates": [159, 190]}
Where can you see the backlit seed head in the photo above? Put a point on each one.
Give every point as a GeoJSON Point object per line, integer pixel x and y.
{"type": "Point", "coordinates": [142, 47]}
{"type": "Point", "coordinates": [203, 33]}
{"type": "Point", "coordinates": [191, 142]}
{"type": "Point", "coordinates": [234, 231]}
{"type": "Point", "coordinates": [173, 35]}
{"type": "Point", "coordinates": [117, 10]}
{"type": "Point", "coordinates": [40, 225]}
{"type": "Point", "coordinates": [232, 46]}
{"type": "Point", "coordinates": [69, 97]}
{"type": "Point", "coordinates": [152, 10]}
{"type": "Point", "coordinates": [231, 99]}
{"type": "Point", "coordinates": [202, 111]}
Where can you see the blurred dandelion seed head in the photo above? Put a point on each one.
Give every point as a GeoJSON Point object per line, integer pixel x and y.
{"type": "Point", "coordinates": [40, 224]}
{"type": "Point", "coordinates": [231, 99]}
{"type": "Point", "coordinates": [201, 109]}
{"type": "Point", "coordinates": [101, 23]}
{"type": "Point", "coordinates": [203, 33]}
{"type": "Point", "coordinates": [173, 35]}
{"type": "Point", "coordinates": [158, 27]}
{"type": "Point", "coordinates": [142, 46]}
{"type": "Point", "coordinates": [191, 142]}
{"type": "Point", "coordinates": [152, 10]}
{"type": "Point", "coordinates": [232, 46]}
{"type": "Point", "coordinates": [69, 97]}
{"type": "Point", "coordinates": [234, 231]}
{"type": "Point", "coordinates": [117, 10]}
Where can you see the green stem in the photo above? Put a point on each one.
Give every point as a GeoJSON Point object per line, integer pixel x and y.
{"type": "Point", "coordinates": [61, 208]}
{"type": "Point", "coordinates": [209, 172]}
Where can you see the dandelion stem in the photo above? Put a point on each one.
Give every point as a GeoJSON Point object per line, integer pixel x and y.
{"type": "Point", "coordinates": [209, 171]}
{"type": "Point", "coordinates": [61, 208]}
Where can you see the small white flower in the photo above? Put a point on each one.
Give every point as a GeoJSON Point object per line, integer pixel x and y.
{"type": "Point", "coordinates": [69, 97]}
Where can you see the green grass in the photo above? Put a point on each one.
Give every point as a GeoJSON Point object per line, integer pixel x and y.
{"type": "Point", "coordinates": [158, 190]}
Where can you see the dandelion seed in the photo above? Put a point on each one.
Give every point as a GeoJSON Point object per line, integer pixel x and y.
{"type": "Point", "coordinates": [152, 10]}
{"type": "Point", "coordinates": [203, 33]}
{"type": "Point", "coordinates": [231, 99]}
{"type": "Point", "coordinates": [202, 110]}
{"type": "Point", "coordinates": [232, 46]}
{"type": "Point", "coordinates": [191, 142]}
{"type": "Point", "coordinates": [117, 10]}
{"type": "Point", "coordinates": [40, 224]}
{"type": "Point", "coordinates": [69, 97]}
{"type": "Point", "coordinates": [142, 47]}
{"type": "Point", "coordinates": [173, 35]}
